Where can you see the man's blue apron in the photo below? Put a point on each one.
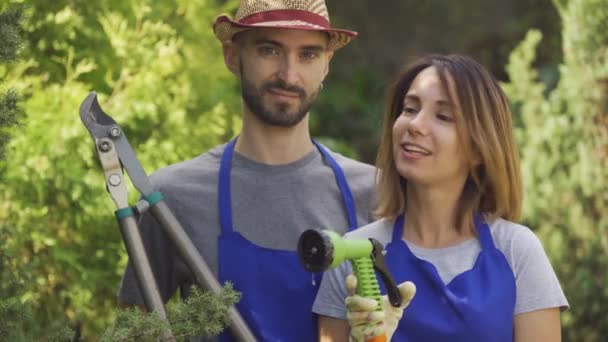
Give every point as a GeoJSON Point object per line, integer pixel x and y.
{"type": "Point", "coordinates": [277, 292]}
{"type": "Point", "coordinates": [477, 305]}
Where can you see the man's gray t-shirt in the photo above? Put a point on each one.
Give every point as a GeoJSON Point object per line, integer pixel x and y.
{"type": "Point", "coordinates": [537, 286]}
{"type": "Point", "coordinates": [271, 205]}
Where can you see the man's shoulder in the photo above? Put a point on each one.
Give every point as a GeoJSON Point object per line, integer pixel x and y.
{"type": "Point", "coordinates": [351, 163]}
{"type": "Point", "coordinates": [198, 169]}
{"type": "Point", "coordinates": [353, 167]}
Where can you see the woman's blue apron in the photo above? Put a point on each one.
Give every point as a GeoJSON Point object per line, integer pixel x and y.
{"type": "Point", "coordinates": [277, 292]}
{"type": "Point", "coordinates": [477, 305]}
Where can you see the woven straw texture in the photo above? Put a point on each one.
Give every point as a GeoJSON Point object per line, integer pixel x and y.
{"type": "Point", "coordinates": [224, 28]}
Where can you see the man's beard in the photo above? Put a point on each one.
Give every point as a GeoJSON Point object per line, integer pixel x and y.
{"type": "Point", "coordinates": [280, 115]}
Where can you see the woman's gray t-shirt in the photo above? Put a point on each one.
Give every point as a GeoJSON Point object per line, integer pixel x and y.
{"type": "Point", "coordinates": [537, 286]}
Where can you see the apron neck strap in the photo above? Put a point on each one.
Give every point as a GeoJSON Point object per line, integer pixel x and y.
{"type": "Point", "coordinates": [347, 196]}
{"type": "Point", "coordinates": [398, 228]}
{"type": "Point", "coordinates": [485, 238]}
{"type": "Point", "coordinates": [225, 198]}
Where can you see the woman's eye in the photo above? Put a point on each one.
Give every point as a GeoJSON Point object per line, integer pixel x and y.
{"type": "Point", "coordinates": [444, 117]}
{"type": "Point", "coordinates": [410, 110]}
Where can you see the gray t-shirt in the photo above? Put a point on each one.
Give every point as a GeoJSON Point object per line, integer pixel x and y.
{"type": "Point", "coordinates": [537, 286]}
{"type": "Point", "coordinates": [271, 205]}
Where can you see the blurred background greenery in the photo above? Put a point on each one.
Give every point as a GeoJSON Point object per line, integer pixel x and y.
{"type": "Point", "coordinates": [158, 71]}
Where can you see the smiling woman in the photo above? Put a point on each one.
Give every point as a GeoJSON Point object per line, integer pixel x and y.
{"type": "Point", "coordinates": [456, 105]}
{"type": "Point", "coordinates": [449, 193]}
{"type": "Point", "coordinates": [426, 145]}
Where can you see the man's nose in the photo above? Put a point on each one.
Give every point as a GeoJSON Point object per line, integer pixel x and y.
{"type": "Point", "coordinates": [289, 70]}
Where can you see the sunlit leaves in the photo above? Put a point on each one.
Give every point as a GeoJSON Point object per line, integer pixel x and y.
{"type": "Point", "coordinates": [160, 75]}
{"type": "Point", "coordinates": [563, 142]}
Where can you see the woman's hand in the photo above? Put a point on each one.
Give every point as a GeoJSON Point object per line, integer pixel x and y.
{"type": "Point", "coordinates": [365, 322]}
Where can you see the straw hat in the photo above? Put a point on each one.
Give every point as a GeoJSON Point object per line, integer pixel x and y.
{"type": "Point", "coordinates": [288, 14]}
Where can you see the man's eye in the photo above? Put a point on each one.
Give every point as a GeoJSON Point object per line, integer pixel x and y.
{"type": "Point", "coordinates": [268, 50]}
{"type": "Point", "coordinates": [307, 55]}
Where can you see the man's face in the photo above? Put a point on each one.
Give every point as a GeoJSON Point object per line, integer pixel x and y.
{"type": "Point", "coordinates": [281, 72]}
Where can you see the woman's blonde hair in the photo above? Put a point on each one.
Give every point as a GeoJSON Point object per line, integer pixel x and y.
{"type": "Point", "coordinates": [484, 125]}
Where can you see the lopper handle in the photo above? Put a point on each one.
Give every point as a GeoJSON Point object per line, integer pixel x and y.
{"type": "Point", "coordinates": [139, 259]}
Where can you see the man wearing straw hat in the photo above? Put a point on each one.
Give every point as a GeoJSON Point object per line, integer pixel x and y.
{"type": "Point", "coordinates": [244, 204]}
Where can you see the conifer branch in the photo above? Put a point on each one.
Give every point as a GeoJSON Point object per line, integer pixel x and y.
{"type": "Point", "coordinates": [11, 31]}
{"type": "Point", "coordinates": [201, 314]}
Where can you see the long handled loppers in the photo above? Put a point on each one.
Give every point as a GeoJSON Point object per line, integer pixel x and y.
{"type": "Point", "coordinates": [115, 154]}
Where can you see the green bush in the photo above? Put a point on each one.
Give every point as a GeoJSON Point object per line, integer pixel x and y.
{"type": "Point", "coordinates": [158, 71]}
{"type": "Point", "coordinates": [563, 134]}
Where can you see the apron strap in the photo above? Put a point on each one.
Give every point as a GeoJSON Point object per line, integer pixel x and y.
{"type": "Point", "coordinates": [485, 237]}
{"type": "Point", "coordinates": [225, 198]}
{"type": "Point", "coordinates": [347, 196]}
{"type": "Point", "coordinates": [398, 229]}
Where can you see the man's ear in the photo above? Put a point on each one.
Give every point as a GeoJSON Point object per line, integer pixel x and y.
{"type": "Point", "coordinates": [231, 56]}
{"type": "Point", "coordinates": [330, 55]}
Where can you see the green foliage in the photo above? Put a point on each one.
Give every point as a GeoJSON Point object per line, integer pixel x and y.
{"type": "Point", "coordinates": [9, 327]}
{"type": "Point", "coordinates": [11, 41]}
{"type": "Point", "coordinates": [564, 139]}
{"type": "Point", "coordinates": [170, 92]}
{"type": "Point", "coordinates": [10, 33]}
{"type": "Point", "coordinates": [132, 324]}
{"type": "Point", "coordinates": [10, 112]}
{"type": "Point", "coordinates": [202, 314]}
{"type": "Point", "coordinates": [14, 319]}
{"type": "Point", "coordinates": [348, 114]}
{"type": "Point", "coordinates": [158, 71]}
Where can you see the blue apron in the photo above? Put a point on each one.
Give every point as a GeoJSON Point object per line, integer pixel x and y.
{"type": "Point", "coordinates": [277, 292]}
{"type": "Point", "coordinates": [477, 305]}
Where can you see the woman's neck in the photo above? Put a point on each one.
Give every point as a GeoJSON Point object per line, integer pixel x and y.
{"type": "Point", "coordinates": [430, 219]}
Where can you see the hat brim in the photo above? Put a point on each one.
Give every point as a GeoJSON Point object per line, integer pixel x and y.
{"type": "Point", "coordinates": [225, 28]}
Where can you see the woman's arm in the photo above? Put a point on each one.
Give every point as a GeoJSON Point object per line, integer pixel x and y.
{"type": "Point", "coordinates": [539, 325]}
{"type": "Point", "coordinates": [333, 329]}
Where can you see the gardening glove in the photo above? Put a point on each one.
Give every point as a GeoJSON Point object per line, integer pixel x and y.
{"type": "Point", "coordinates": [365, 322]}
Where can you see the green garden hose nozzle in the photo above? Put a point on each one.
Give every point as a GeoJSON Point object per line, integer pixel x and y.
{"type": "Point", "coordinates": [321, 250]}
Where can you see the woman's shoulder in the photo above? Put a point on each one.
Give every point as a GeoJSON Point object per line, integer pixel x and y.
{"type": "Point", "coordinates": [381, 230]}
{"type": "Point", "coordinates": [520, 246]}
{"type": "Point", "coordinates": [536, 281]}
{"type": "Point", "coordinates": [513, 237]}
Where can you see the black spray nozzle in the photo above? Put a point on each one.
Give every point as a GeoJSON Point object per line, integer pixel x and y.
{"type": "Point", "coordinates": [315, 250]}
{"type": "Point", "coordinates": [321, 250]}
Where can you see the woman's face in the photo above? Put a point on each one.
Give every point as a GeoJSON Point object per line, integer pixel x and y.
{"type": "Point", "coordinates": [426, 147]}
